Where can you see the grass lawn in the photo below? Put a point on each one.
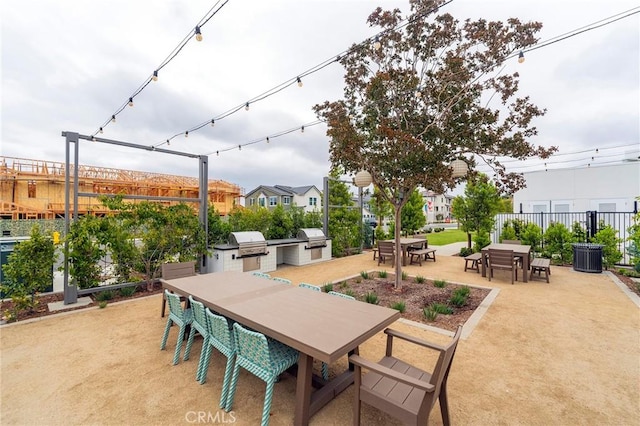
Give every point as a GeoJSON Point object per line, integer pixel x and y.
{"type": "Point", "coordinates": [447, 236]}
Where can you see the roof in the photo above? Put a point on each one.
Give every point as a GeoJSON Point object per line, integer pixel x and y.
{"type": "Point", "coordinates": [282, 190]}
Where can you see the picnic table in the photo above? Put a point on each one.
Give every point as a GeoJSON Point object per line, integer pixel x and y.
{"type": "Point", "coordinates": [406, 244]}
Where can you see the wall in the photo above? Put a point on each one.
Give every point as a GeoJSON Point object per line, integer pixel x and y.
{"type": "Point", "coordinates": [573, 190]}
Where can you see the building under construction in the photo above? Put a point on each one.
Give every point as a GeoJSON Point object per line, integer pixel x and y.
{"type": "Point", "coordinates": [35, 189]}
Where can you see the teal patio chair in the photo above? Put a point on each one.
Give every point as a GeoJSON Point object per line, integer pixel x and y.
{"type": "Point", "coordinates": [181, 317]}
{"type": "Point", "coordinates": [309, 286]}
{"type": "Point", "coordinates": [220, 333]}
{"type": "Point", "coordinates": [198, 324]}
{"type": "Point", "coordinates": [261, 275]}
{"type": "Point", "coordinates": [263, 357]}
{"type": "Point", "coordinates": [344, 296]}
{"type": "Point", "coordinates": [282, 280]}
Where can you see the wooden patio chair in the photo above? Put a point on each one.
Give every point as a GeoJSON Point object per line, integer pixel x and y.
{"type": "Point", "coordinates": [386, 250]}
{"type": "Point", "coordinates": [503, 260]}
{"type": "Point", "coordinates": [400, 389]}
{"type": "Point", "coordinates": [517, 242]}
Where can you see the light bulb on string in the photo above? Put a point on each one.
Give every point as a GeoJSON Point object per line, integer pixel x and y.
{"type": "Point", "coordinates": [521, 57]}
{"type": "Point", "coordinates": [113, 118]}
{"type": "Point", "coordinates": [101, 130]}
{"type": "Point", "coordinates": [267, 139]}
{"type": "Point", "coordinates": [239, 147]}
{"type": "Point", "coordinates": [155, 75]}
{"type": "Point", "coordinates": [168, 142]}
{"type": "Point", "coordinates": [130, 102]}
{"type": "Point", "coordinates": [246, 106]}
{"type": "Point", "coordinates": [376, 43]}
{"type": "Point", "coordinates": [198, 34]}
{"type": "Point", "coordinates": [186, 134]}
{"type": "Point", "coordinates": [299, 81]}
{"type": "Point", "coordinates": [93, 138]}
{"type": "Point", "coordinates": [213, 122]}
{"type": "Point", "coordinates": [302, 129]}
{"type": "Point", "coordinates": [217, 153]}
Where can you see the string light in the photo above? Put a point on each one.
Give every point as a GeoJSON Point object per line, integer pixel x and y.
{"type": "Point", "coordinates": [246, 106]}
{"type": "Point", "coordinates": [186, 134]}
{"type": "Point", "coordinates": [113, 118]}
{"type": "Point", "coordinates": [521, 57]}
{"type": "Point", "coordinates": [302, 129]}
{"type": "Point", "coordinates": [239, 147]}
{"type": "Point", "coordinates": [198, 33]}
{"type": "Point", "coordinates": [168, 142]}
{"type": "Point", "coordinates": [101, 131]}
{"type": "Point", "coordinates": [267, 139]}
{"type": "Point", "coordinates": [299, 81]}
{"type": "Point", "coordinates": [155, 75]}
{"type": "Point", "coordinates": [376, 43]}
{"type": "Point", "coordinates": [213, 122]}
{"type": "Point", "coordinates": [130, 102]}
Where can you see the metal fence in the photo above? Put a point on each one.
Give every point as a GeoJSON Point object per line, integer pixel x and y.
{"type": "Point", "coordinates": [589, 221]}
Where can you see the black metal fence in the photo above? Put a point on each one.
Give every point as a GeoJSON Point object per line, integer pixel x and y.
{"type": "Point", "coordinates": [589, 221]}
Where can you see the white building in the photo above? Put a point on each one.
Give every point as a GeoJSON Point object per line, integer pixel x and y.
{"type": "Point", "coordinates": [437, 207]}
{"type": "Point", "coordinates": [612, 188]}
{"type": "Point", "coordinates": [307, 197]}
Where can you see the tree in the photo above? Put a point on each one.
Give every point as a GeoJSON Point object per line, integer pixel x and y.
{"type": "Point", "coordinates": [418, 98]}
{"type": "Point", "coordinates": [412, 213]}
{"type": "Point", "coordinates": [380, 207]}
{"type": "Point", "coordinates": [281, 224]}
{"type": "Point", "coordinates": [345, 222]}
{"type": "Point", "coordinates": [29, 269]}
{"type": "Point", "coordinates": [477, 209]}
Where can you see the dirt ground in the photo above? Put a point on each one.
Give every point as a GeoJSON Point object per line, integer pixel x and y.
{"type": "Point", "coordinates": [566, 353]}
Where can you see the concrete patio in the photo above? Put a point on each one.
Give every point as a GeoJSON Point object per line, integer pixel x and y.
{"type": "Point", "coordinates": [565, 353]}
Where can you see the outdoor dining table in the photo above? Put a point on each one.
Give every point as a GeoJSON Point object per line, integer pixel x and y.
{"type": "Point", "coordinates": [318, 325]}
{"type": "Point", "coordinates": [520, 250]}
{"type": "Point", "coordinates": [406, 243]}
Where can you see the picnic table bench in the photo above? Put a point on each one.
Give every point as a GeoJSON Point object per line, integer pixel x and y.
{"type": "Point", "coordinates": [472, 262]}
{"type": "Point", "coordinates": [539, 265]}
{"type": "Point", "coordinates": [418, 255]}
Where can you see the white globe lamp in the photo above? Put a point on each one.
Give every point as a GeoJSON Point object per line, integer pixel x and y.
{"type": "Point", "coordinates": [459, 168]}
{"type": "Point", "coordinates": [362, 179]}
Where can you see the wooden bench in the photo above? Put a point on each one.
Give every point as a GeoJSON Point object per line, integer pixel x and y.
{"type": "Point", "coordinates": [171, 271]}
{"type": "Point", "coordinates": [375, 253]}
{"type": "Point", "coordinates": [473, 262]}
{"type": "Point", "coordinates": [539, 265]}
{"type": "Point", "coordinates": [418, 255]}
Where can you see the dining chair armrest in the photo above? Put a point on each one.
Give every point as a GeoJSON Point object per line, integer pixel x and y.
{"type": "Point", "coordinates": [391, 333]}
{"type": "Point", "coordinates": [392, 374]}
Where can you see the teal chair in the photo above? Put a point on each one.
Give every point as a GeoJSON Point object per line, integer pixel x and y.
{"type": "Point", "coordinates": [220, 336]}
{"type": "Point", "coordinates": [309, 286]}
{"type": "Point", "coordinates": [261, 275]}
{"type": "Point", "coordinates": [325, 366]}
{"type": "Point", "coordinates": [282, 280]}
{"type": "Point", "coordinates": [264, 357]}
{"type": "Point", "coordinates": [344, 296]}
{"type": "Point", "coordinates": [198, 324]}
{"type": "Point", "coordinates": [179, 316]}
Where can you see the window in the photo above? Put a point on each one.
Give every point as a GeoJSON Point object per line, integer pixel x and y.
{"type": "Point", "coordinates": [31, 189]}
{"type": "Point", "coordinates": [313, 201]}
{"type": "Point", "coordinates": [252, 201]}
{"type": "Point", "coordinates": [602, 207]}
{"type": "Point", "coordinates": [261, 201]}
{"type": "Point", "coordinates": [562, 208]}
{"type": "Point", "coordinates": [273, 201]}
{"type": "Point", "coordinates": [286, 200]}
{"type": "Point", "coordinates": [539, 208]}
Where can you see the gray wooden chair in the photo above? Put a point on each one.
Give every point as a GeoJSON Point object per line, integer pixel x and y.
{"type": "Point", "coordinates": [503, 260]}
{"type": "Point", "coordinates": [386, 250]}
{"type": "Point", "coordinates": [400, 389]}
{"type": "Point", "coordinates": [175, 270]}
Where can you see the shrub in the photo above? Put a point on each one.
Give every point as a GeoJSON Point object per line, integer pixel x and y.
{"type": "Point", "coordinates": [557, 241]}
{"type": "Point", "coordinates": [608, 238]}
{"type": "Point", "coordinates": [429, 314]}
{"type": "Point", "coordinates": [508, 232]}
{"type": "Point", "coordinates": [344, 284]}
{"type": "Point", "coordinates": [464, 291]}
{"type": "Point", "coordinates": [371, 298]}
{"type": "Point", "coordinates": [102, 304]}
{"type": "Point", "coordinates": [458, 300]}
{"type": "Point", "coordinates": [428, 230]}
{"type": "Point", "coordinates": [440, 308]}
{"type": "Point", "coordinates": [404, 275]}
{"type": "Point", "coordinates": [401, 306]}
{"type": "Point", "coordinates": [104, 295]}
{"type": "Point", "coordinates": [350, 292]}
{"type": "Point", "coordinates": [382, 274]}
{"type": "Point", "coordinates": [420, 279]}
{"type": "Point", "coordinates": [128, 291]}
{"type": "Point", "coordinates": [327, 287]}
{"type": "Point", "coordinates": [364, 275]}
{"type": "Point", "coordinates": [440, 283]}
{"type": "Point", "coordinates": [531, 235]}
{"type": "Point", "coordinates": [481, 240]}
{"type": "Point", "coordinates": [466, 251]}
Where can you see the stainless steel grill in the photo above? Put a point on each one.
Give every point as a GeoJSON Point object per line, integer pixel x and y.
{"type": "Point", "coordinates": [250, 243]}
{"type": "Point", "coordinates": [313, 236]}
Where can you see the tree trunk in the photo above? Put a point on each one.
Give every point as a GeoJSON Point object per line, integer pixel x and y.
{"type": "Point", "coordinates": [469, 239]}
{"type": "Point", "coordinates": [398, 248]}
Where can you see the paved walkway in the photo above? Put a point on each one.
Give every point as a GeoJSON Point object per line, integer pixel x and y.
{"type": "Point", "coordinates": [562, 353]}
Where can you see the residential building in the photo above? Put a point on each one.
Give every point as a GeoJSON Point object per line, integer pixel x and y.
{"type": "Point", "coordinates": [308, 197]}
{"type": "Point", "coordinates": [437, 207]}
{"type": "Point", "coordinates": [610, 188]}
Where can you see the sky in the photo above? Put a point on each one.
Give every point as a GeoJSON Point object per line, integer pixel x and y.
{"type": "Point", "coordinates": [68, 65]}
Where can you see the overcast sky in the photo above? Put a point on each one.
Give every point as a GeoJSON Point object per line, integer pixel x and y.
{"type": "Point", "coordinates": [69, 65]}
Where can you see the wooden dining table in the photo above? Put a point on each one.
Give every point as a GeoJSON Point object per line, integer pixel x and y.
{"type": "Point", "coordinates": [406, 244]}
{"type": "Point", "coordinates": [318, 325]}
{"type": "Point", "coordinates": [521, 250]}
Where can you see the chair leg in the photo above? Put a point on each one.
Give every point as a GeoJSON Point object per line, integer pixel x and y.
{"type": "Point", "coordinates": [164, 305]}
{"type": "Point", "coordinates": [268, 396]}
{"type": "Point", "coordinates": [444, 405]}
{"type": "Point", "coordinates": [231, 392]}
{"type": "Point", "coordinates": [176, 355]}
{"type": "Point", "coordinates": [203, 363]}
{"type": "Point", "coordinates": [166, 335]}
{"type": "Point", "coordinates": [203, 351]}
{"type": "Point", "coordinates": [325, 371]}
{"type": "Point", "coordinates": [224, 395]}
